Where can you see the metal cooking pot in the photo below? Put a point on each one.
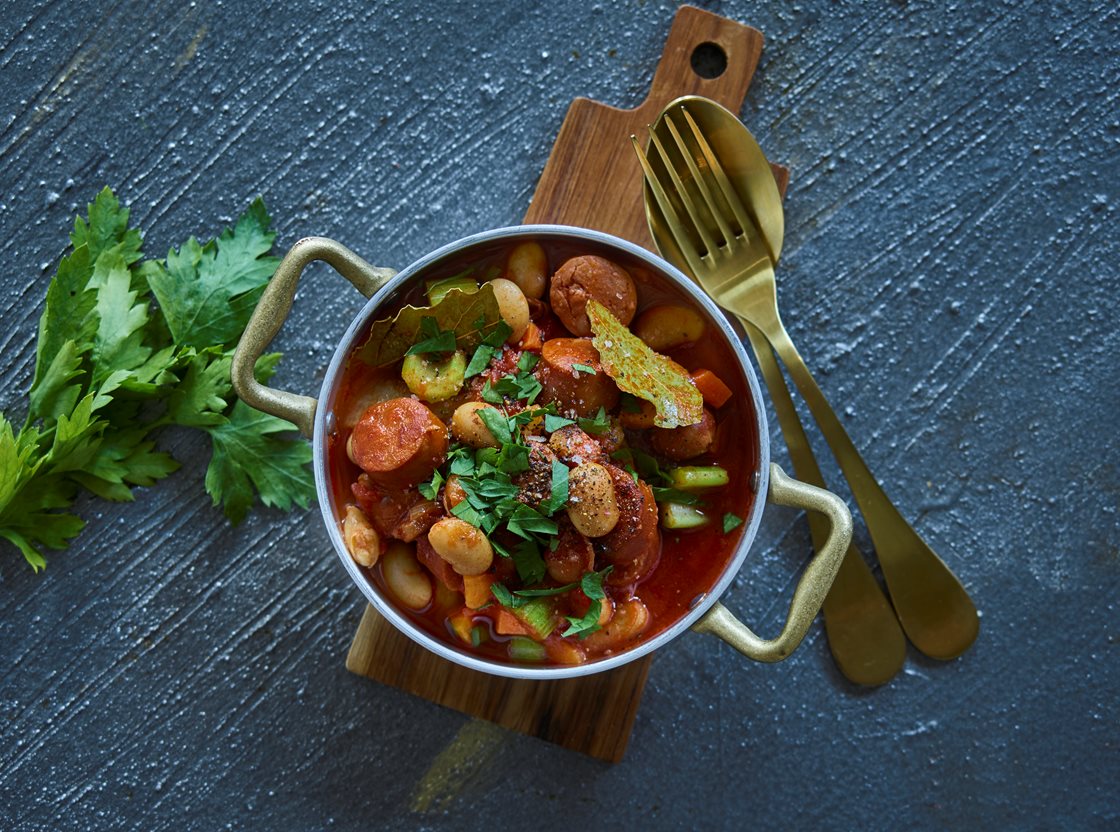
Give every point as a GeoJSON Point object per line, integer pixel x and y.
{"type": "Point", "coordinates": [385, 289]}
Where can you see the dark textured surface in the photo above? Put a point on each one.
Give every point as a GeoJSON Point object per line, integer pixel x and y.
{"type": "Point", "coordinates": [950, 270]}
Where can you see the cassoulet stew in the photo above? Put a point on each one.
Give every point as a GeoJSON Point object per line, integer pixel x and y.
{"type": "Point", "coordinates": [544, 455]}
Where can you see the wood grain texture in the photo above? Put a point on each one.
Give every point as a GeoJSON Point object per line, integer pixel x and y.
{"type": "Point", "coordinates": [592, 157]}
{"type": "Point", "coordinates": [592, 714]}
{"type": "Point", "coordinates": [592, 178]}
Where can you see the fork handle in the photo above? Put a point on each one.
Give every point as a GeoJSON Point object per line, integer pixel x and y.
{"type": "Point", "coordinates": [863, 632]}
{"type": "Point", "coordinates": [935, 610]}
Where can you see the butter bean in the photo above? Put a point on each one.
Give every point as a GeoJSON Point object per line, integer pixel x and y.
{"type": "Point", "coordinates": [666, 327]}
{"type": "Point", "coordinates": [528, 268]}
{"type": "Point", "coordinates": [361, 538]}
{"type": "Point", "coordinates": [468, 428]}
{"type": "Point", "coordinates": [461, 545]}
{"type": "Point", "coordinates": [407, 580]}
{"type": "Point", "coordinates": [512, 306]}
{"type": "Point", "coordinates": [592, 506]}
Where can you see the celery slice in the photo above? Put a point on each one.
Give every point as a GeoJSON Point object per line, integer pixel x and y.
{"type": "Point", "coordinates": [537, 615]}
{"type": "Point", "coordinates": [697, 477]}
{"type": "Point", "coordinates": [677, 516]}
{"type": "Point", "coordinates": [523, 649]}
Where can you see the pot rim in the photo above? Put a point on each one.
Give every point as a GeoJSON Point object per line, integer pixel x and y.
{"type": "Point", "coordinates": [324, 424]}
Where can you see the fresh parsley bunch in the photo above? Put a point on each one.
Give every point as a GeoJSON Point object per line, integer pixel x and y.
{"type": "Point", "coordinates": [127, 346]}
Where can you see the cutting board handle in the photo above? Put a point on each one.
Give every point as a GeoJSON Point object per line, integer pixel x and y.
{"type": "Point", "coordinates": [693, 28]}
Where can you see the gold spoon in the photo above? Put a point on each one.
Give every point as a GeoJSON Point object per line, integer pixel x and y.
{"type": "Point", "coordinates": [866, 641]}
{"type": "Point", "coordinates": [731, 249]}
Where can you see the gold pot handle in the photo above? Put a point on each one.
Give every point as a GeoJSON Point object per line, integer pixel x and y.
{"type": "Point", "coordinates": [811, 589]}
{"type": "Point", "coordinates": [271, 312]}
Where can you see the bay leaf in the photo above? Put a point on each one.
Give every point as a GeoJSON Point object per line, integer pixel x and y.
{"type": "Point", "coordinates": [640, 371]}
{"type": "Point", "coordinates": [470, 315]}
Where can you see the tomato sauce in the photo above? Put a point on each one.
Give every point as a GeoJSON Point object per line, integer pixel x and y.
{"type": "Point", "coordinates": [691, 560]}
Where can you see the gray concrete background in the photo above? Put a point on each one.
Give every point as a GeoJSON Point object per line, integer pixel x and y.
{"type": "Point", "coordinates": [950, 270]}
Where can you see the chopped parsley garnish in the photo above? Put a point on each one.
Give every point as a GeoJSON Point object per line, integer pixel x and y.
{"type": "Point", "coordinates": [596, 425]}
{"type": "Point", "coordinates": [641, 464]}
{"type": "Point", "coordinates": [525, 521]}
{"type": "Point", "coordinates": [559, 489]}
{"type": "Point", "coordinates": [488, 350]}
{"type": "Point", "coordinates": [523, 386]}
{"type": "Point", "coordinates": [731, 521]}
{"type": "Point", "coordinates": [592, 586]}
{"type": "Point", "coordinates": [554, 423]}
{"type": "Point", "coordinates": [552, 590]}
{"type": "Point", "coordinates": [496, 423]}
{"type": "Point", "coordinates": [583, 368]}
{"type": "Point", "coordinates": [530, 565]}
{"type": "Point", "coordinates": [435, 339]}
{"type": "Point", "coordinates": [429, 490]}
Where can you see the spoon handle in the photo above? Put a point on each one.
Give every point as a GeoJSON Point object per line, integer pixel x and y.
{"type": "Point", "coordinates": [863, 633]}
{"type": "Point", "coordinates": [935, 611]}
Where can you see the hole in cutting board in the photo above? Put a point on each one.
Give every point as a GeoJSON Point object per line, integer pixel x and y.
{"type": "Point", "coordinates": [709, 60]}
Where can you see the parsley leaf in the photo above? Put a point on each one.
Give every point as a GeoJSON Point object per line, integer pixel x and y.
{"type": "Point", "coordinates": [435, 339]}
{"type": "Point", "coordinates": [496, 423]}
{"type": "Point", "coordinates": [643, 463]}
{"type": "Point", "coordinates": [731, 521]}
{"type": "Point", "coordinates": [106, 227]}
{"type": "Point", "coordinates": [530, 565]}
{"type": "Point", "coordinates": [554, 423]}
{"type": "Point", "coordinates": [592, 586]}
{"type": "Point", "coordinates": [248, 454]}
{"type": "Point", "coordinates": [552, 590]}
{"type": "Point", "coordinates": [504, 596]}
{"type": "Point", "coordinates": [207, 292]}
{"type": "Point", "coordinates": [559, 489]}
{"type": "Point", "coordinates": [675, 495]}
{"type": "Point", "coordinates": [582, 368]}
{"type": "Point", "coordinates": [596, 425]}
{"type": "Point", "coordinates": [523, 386]}
{"type": "Point", "coordinates": [481, 359]}
{"type": "Point", "coordinates": [430, 489]}
{"type": "Point", "coordinates": [111, 368]}
{"type": "Point", "coordinates": [525, 520]}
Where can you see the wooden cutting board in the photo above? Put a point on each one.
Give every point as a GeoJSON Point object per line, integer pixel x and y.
{"type": "Point", "coordinates": [592, 179]}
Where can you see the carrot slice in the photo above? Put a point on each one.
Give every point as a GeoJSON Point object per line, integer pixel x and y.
{"type": "Point", "coordinates": [532, 340]}
{"type": "Point", "coordinates": [476, 589]}
{"type": "Point", "coordinates": [508, 624]}
{"type": "Point", "coordinates": [461, 623]}
{"type": "Point", "coordinates": [714, 391]}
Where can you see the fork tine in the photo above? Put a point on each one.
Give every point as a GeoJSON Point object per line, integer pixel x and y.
{"type": "Point", "coordinates": [689, 206]}
{"type": "Point", "coordinates": [701, 183]}
{"type": "Point", "coordinates": [672, 218]}
{"type": "Point", "coordinates": [741, 215]}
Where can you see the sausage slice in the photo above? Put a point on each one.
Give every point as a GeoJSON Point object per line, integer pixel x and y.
{"type": "Point", "coordinates": [687, 441]}
{"type": "Point", "coordinates": [570, 387]}
{"type": "Point", "coordinates": [583, 278]}
{"type": "Point", "coordinates": [398, 442]}
{"type": "Point", "coordinates": [634, 547]}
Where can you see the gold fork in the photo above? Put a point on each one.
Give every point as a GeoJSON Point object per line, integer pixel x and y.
{"type": "Point", "coordinates": [718, 240]}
